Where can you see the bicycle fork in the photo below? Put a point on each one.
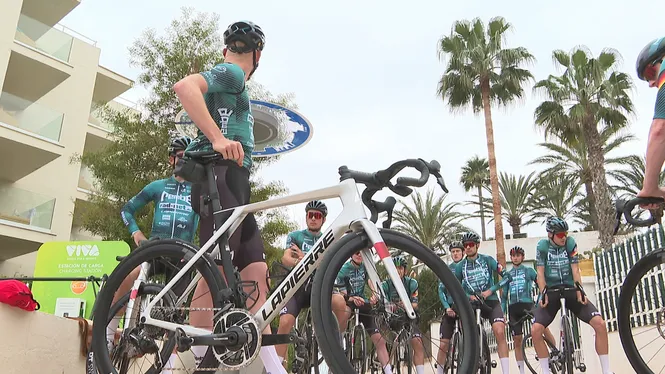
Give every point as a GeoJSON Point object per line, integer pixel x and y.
{"type": "Point", "coordinates": [133, 293]}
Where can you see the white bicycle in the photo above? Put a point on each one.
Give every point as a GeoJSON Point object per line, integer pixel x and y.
{"type": "Point", "coordinates": [236, 338]}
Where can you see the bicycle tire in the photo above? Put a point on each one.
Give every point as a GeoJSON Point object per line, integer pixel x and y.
{"type": "Point", "coordinates": [172, 248]}
{"type": "Point", "coordinates": [324, 320]}
{"type": "Point", "coordinates": [451, 360]}
{"type": "Point", "coordinates": [630, 283]}
{"type": "Point", "coordinates": [569, 349]}
{"type": "Point", "coordinates": [487, 357]}
{"type": "Point", "coordinates": [359, 357]}
{"type": "Point", "coordinates": [314, 348]}
{"type": "Point", "coordinates": [533, 370]}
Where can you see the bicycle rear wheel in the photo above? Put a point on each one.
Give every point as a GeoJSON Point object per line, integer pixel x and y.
{"type": "Point", "coordinates": [629, 297]}
{"type": "Point", "coordinates": [152, 252]}
{"type": "Point", "coordinates": [322, 312]}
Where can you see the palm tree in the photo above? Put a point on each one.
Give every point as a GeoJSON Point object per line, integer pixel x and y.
{"type": "Point", "coordinates": [430, 220]}
{"type": "Point", "coordinates": [516, 194]}
{"type": "Point", "coordinates": [568, 156]}
{"type": "Point", "coordinates": [481, 72]}
{"type": "Point", "coordinates": [630, 179]}
{"type": "Point", "coordinates": [590, 92]}
{"type": "Point", "coordinates": [476, 174]}
{"type": "Point", "coordinates": [557, 195]}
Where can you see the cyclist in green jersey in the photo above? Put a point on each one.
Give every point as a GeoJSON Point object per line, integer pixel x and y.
{"type": "Point", "coordinates": [173, 218]}
{"type": "Point", "coordinates": [218, 103]}
{"type": "Point", "coordinates": [353, 276]}
{"type": "Point", "coordinates": [557, 263]}
{"type": "Point", "coordinates": [450, 316]}
{"type": "Point", "coordinates": [411, 288]}
{"type": "Point", "coordinates": [516, 300]}
{"type": "Point", "coordinates": [650, 68]}
{"type": "Point", "coordinates": [476, 272]}
{"type": "Point", "coordinates": [297, 244]}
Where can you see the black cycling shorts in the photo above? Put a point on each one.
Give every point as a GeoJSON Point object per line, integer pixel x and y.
{"type": "Point", "coordinates": [365, 317]}
{"type": "Point", "coordinates": [515, 312]}
{"type": "Point", "coordinates": [495, 314]}
{"type": "Point", "coordinates": [234, 190]}
{"type": "Point", "coordinates": [299, 301]}
{"type": "Point", "coordinates": [447, 326]}
{"type": "Point", "coordinates": [545, 316]}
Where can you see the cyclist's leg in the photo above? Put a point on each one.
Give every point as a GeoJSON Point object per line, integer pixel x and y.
{"type": "Point", "coordinates": [499, 328]}
{"type": "Point", "coordinates": [341, 311]}
{"type": "Point", "coordinates": [378, 341]}
{"type": "Point", "coordinates": [418, 350]}
{"type": "Point", "coordinates": [516, 312]}
{"type": "Point", "coordinates": [445, 333]}
{"type": "Point", "coordinates": [543, 317]}
{"type": "Point", "coordinates": [287, 319]}
{"type": "Point", "coordinates": [588, 313]}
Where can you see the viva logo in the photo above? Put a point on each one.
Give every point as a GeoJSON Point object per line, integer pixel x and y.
{"type": "Point", "coordinates": [83, 250]}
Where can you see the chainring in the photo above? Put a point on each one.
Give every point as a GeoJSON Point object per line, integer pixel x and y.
{"type": "Point", "coordinates": [247, 353]}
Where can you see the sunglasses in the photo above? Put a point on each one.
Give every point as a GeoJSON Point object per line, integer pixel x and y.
{"type": "Point", "coordinates": [469, 245]}
{"type": "Point", "coordinates": [314, 215]}
{"type": "Point", "coordinates": [561, 235]}
{"type": "Point", "coordinates": [650, 72]}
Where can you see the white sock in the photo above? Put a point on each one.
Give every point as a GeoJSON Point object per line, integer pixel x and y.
{"type": "Point", "coordinates": [388, 369]}
{"type": "Point", "coordinates": [168, 368]}
{"type": "Point", "coordinates": [420, 369]}
{"type": "Point", "coordinates": [545, 365]}
{"type": "Point", "coordinates": [505, 365]}
{"type": "Point", "coordinates": [439, 369]}
{"type": "Point", "coordinates": [605, 363]}
{"type": "Point", "coordinates": [111, 328]}
{"type": "Point", "coordinates": [520, 365]}
{"type": "Point", "coordinates": [271, 361]}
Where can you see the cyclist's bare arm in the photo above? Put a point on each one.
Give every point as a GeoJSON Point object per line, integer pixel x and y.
{"type": "Point", "coordinates": [290, 257]}
{"type": "Point", "coordinates": [190, 92]}
{"type": "Point", "coordinates": [655, 156]}
{"type": "Point", "coordinates": [541, 280]}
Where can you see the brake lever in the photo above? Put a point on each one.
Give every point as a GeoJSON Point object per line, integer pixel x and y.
{"type": "Point", "coordinates": [439, 180]}
{"type": "Point", "coordinates": [400, 189]}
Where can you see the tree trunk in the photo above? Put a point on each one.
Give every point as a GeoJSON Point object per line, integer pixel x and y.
{"type": "Point", "coordinates": [482, 212]}
{"type": "Point", "coordinates": [494, 178]}
{"type": "Point", "coordinates": [603, 204]}
{"type": "Point", "coordinates": [588, 186]}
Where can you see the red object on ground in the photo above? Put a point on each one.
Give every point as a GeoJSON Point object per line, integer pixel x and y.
{"type": "Point", "coordinates": [16, 293]}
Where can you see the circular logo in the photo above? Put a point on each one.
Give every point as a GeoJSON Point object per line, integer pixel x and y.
{"type": "Point", "coordinates": [78, 287]}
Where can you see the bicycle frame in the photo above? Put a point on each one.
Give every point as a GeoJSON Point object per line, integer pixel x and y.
{"type": "Point", "coordinates": [352, 217]}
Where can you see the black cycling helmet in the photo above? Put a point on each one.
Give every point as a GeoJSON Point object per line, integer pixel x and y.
{"type": "Point", "coordinates": [517, 249]}
{"type": "Point", "coordinates": [649, 54]}
{"type": "Point", "coordinates": [179, 144]}
{"type": "Point", "coordinates": [556, 224]}
{"type": "Point", "coordinates": [317, 205]}
{"type": "Point", "coordinates": [399, 261]}
{"type": "Point", "coordinates": [247, 32]}
{"type": "Point", "coordinates": [470, 237]}
{"type": "Point", "coordinates": [456, 245]}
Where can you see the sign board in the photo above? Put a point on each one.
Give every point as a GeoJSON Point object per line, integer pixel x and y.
{"type": "Point", "coordinates": [277, 129]}
{"type": "Point", "coordinates": [73, 260]}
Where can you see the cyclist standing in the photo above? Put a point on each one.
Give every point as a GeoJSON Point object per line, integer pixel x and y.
{"type": "Point", "coordinates": [411, 287]}
{"type": "Point", "coordinates": [558, 265]}
{"type": "Point", "coordinates": [449, 317]}
{"type": "Point", "coordinates": [516, 300]}
{"type": "Point", "coordinates": [476, 272]}
{"type": "Point", "coordinates": [354, 276]}
{"type": "Point", "coordinates": [218, 103]}
{"type": "Point", "coordinates": [650, 68]}
{"type": "Point", "coordinates": [173, 218]}
{"type": "Point", "coordinates": [297, 244]}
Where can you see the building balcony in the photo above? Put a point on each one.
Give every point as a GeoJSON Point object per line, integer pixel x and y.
{"type": "Point", "coordinates": [49, 12]}
{"type": "Point", "coordinates": [44, 38]}
{"type": "Point", "coordinates": [30, 116]}
{"type": "Point", "coordinates": [25, 220]}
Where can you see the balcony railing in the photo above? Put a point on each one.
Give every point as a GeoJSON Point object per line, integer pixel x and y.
{"type": "Point", "coordinates": [86, 179]}
{"type": "Point", "coordinates": [44, 38]}
{"type": "Point", "coordinates": [96, 112]}
{"type": "Point", "coordinates": [25, 207]}
{"type": "Point", "coordinates": [30, 116]}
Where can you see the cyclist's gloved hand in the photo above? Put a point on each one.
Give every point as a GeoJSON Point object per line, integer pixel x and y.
{"type": "Point", "coordinates": [582, 298]}
{"type": "Point", "coordinates": [543, 300]}
{"type": "Point", "coordinates": [486, 294]}
{"type": "Point", "coordinates": [450, 312]}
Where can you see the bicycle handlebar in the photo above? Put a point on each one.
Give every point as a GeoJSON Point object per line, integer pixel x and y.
{"type": "Point", "coordinates": [625, 208]}
{"type": "Point", "coordinates": [381, 179]}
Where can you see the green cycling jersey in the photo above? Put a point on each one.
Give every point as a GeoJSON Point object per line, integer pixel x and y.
{"type": "Point", "coordinates": [410, 285]}
{"type": "Point", "coordinates": [518, 290]}
{"type": "Point", "coordinates": [557, 261]}
{"type": "Point", "coordinates": [173, 217]}
{"type": "Point", "coordinates": [228, 103]}
{"type": "Point", "coordinates": [445, 297]}
{"type": "Point", "coordinates": [477, 275]}
{"type": "Point", "coordinates": [304, 239]}
{"type": "Point", "coordinates": [356, 275]}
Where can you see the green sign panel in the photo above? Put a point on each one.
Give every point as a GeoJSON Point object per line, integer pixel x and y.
{"type": "Point", "coordinates": [73, 260]}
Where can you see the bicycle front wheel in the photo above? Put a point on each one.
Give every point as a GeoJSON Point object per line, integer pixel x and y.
{"type": "Point", "coordinates": [325, 322]}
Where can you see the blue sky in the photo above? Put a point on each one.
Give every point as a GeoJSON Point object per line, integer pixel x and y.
{"type": "Point", "coordinates": [365, 74]}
